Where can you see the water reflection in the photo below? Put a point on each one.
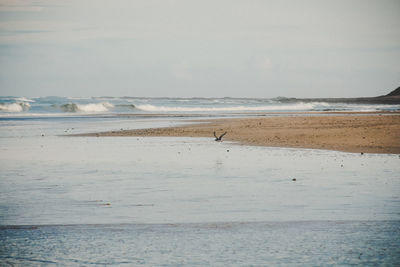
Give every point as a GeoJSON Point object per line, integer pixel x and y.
{"type": "Point", "coordinates": [174, 180]}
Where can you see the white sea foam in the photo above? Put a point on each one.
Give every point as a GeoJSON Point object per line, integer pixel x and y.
{"type": "Point", "coordinates": [34, 115]}
{"type": "Point", "coordinates": [24, 99]}
{"type": "Point", "coordinates": [79, 98]}
{"type": "Point", "coordinates": [14, 107]}
{"type": "Point", "coordinates": [366, 108]}
{"type": "Point", "coordinates": [298, 106]}
{"type": "Point", "coordinates": [87, 108]}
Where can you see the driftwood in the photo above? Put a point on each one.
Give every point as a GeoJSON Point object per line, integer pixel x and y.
{"type": "Point", "coordinates": [220, 137]}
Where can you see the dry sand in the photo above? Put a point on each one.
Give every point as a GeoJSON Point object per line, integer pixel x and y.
{"type": "Point", "coordinates": [367, 133]}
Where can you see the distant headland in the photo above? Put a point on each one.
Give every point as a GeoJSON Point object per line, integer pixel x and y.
{"type": "Point", "coordinates": [391, 98]}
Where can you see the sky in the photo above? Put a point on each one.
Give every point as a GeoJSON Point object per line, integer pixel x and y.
{"type": "Point", "coordinates": [207, 48]}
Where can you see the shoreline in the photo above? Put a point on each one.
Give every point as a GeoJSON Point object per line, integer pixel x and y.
{"type": "Point", "coordinates": [350, 132]}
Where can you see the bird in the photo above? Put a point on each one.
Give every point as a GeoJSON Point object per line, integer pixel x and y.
{"type": "Point", "coordinates": [220, 137]}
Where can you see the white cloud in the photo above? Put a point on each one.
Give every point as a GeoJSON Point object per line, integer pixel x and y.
{"type": "Point", "coordinates": [264, 64]}
{"type": "Point", "coordinates": [213, 44]}
{"type": "Point", "coordinates": [20, 6]}
{"type": "Point", "coordinates": [181, 71]}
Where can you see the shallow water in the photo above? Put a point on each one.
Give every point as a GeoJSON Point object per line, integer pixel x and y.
{"type": "Point", "coordinates": [312, 243]}
{"type": "Point", "coordinates": [237, 204]}
{"type": "Point", "coordinates": [67, 180]}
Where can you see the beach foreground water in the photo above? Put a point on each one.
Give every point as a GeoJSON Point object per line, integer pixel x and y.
{"type": "Point", "coordinates": [186, 201]}
{"type": "Point", "coordinates": [314, 243]}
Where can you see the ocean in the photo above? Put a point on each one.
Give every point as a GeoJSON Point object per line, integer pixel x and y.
{"type": "Point", "coordinates": [69, 106]}
{"type": "Point", "coordinates": [156, 201]}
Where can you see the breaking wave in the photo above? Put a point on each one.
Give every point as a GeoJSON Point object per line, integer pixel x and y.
{"type": "Point", "coordinates": [128, 106]}
{"type": "Point", "coordinates": [299, 106]}
{"type": "Point", "coordinates": [87, 108]}
{"type": "Point", "coordinates": [63, 106]}
{"type": "Point", "coordinates": [24, 99]}
{"type": "Point", "coordinates": [14, 107]}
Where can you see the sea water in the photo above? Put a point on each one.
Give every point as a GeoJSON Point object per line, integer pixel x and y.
{"type": "Point", "coordinates": [89, 180]}
{"type": "Point", "coordinates": [72, 106]}
{"type": "Point", "coordinates": [186, 201]}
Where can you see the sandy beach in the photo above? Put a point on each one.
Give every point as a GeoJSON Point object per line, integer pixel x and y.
{"type": "Point", "coordinates": [360, 133]}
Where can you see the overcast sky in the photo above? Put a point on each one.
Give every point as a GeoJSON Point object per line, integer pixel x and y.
{"type": "Point", "coordinates": [210, 48]}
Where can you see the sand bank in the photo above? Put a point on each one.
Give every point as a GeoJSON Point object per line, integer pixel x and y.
{"type": "Point", "coordinates": [351, 133]}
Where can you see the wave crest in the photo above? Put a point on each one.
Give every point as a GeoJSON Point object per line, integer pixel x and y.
{"type": "Point", "coordinates": [87, 108]}
{"type": "Point", "coordinates": [298, 106]}
{"type": "Point", "coordinates": [128, 106]}
{"type": "Point", "coordinates": [14, 107]}
{"type": "Point", "coordinates": [24, 99]}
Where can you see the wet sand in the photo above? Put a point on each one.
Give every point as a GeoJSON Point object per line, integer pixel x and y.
{"type": "Point", "coordinates": [361, 133]}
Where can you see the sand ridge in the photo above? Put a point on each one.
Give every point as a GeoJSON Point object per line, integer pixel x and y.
{"type": "Point", "coordinates": [366, 133]}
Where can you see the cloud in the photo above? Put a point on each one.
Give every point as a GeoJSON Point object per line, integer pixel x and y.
{"type": "Point", "coordinates": [200, 44]}
{"type": "Point", "coordinates": [20, 6]}
{"type": "Point", "coordinates": [264, 64]}
{"type": "Point", "coordinates": [181, 71]}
